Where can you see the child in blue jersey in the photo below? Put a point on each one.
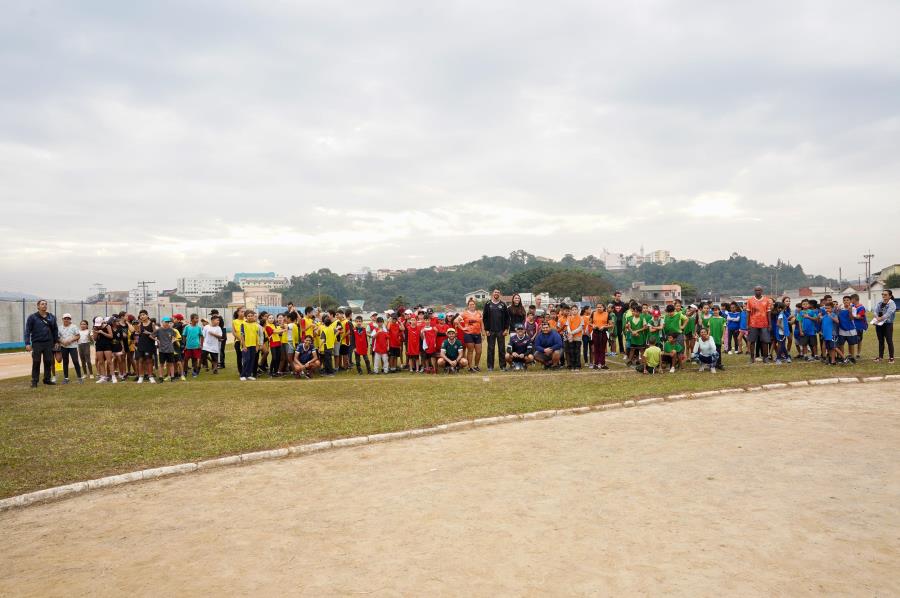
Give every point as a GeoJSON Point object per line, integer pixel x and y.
{"type": "Point", "coordinates": [795, 322]}
{"type": "Point", "coordinates": [846, 330]}
{"type": "Point", "coordinates": [742, 329]}
{"type": "Point", "coordinates": [827, 324]}
{"type": "Point", "coordinates": [809, 318]}
{"type": "Point", "coordinates": [782, 333]}
{"type": "Point", "coordinates": [733, 318]}
{"type": "Point", "coordinates": [860, 320]}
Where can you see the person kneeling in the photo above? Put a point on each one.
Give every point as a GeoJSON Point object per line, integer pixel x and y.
{"type": "Point", "coordinates": [650, 358]}
{"type": "Point", "coordinates": [705, 352]}
{"type": "Point", "coordinates": [672, 353]}
{"type": "Point", "coordinates": [306, 359]}
{"type": "Point", "coordinates": [451, 353]}
{"type": "Point", "coordinates": [519, 350]}
{"type": "Point", "coordinates": [547, 346]}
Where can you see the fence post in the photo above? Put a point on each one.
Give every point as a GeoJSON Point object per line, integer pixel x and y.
{"type": "Point", "coordinates": [25, 340]}
{"type": "Point", "coordinates": [82, 309]}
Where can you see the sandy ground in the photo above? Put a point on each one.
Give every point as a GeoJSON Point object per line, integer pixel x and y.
{"type": "Point", "coordinates": [13, 365]}
{"type": "Point", "coordinates": [780, 493]}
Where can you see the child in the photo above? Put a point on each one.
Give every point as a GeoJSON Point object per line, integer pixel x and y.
{"type": "Point", "coordinates": [672, 352]}
{"type": "Point", "coordinates": [705, 351]}
{"type": "Point", "coordinates": [636, 330]}
{"type": "Point", "coordinates": [808, 319]}
{"type": "Point", "coordinates": [306, 359]}
{"type": "Point", "coordinates": [84, 348]}
{"type": "Point", "coordinates": [328, 336]}
{"type": "Point", "coordinates": [275, 334]}
{"type": "Point", "coordinates": [650, 358]}
{"type": "Point", "coordinates": [782, 333]}
{"type": "Point", "coordinates": [430, 347]}
{"type": "Point", "coordinates": [716, 327]}
{"type": "Point", "coordinates": [690, 328]}
{"type": "Point", "coordinates": [655, 325]}
{"type": "Point", "coordinates": [846, 332]}
{"type": "Point", "coordinates": [743, 329]}
{"type": "Point", "coordinates": [395, 342]}
{"type": "Point", "coordinates": [212, 341]}
{"type": "Point", "coordinates": [381, 346]}
{"type": "Point", "coordinates": [249, 335]}
{"type": "Point", "coordinates": [574, 330]}
{"type": "Point", "coordinates": [361, 345]}
{"type": "Point", "coordinates": [586, 334]}
{"type": "Point", "coordinates": [733, 319]}
{"type": "Point", "coordinates": [165, 338]}
{"type": "Point", "coordinates": [859, 321]}
{"type": "Point", "coordinates": [451, 358]}
{"type": "Point", "coordinates": [146, 347]}
{"type": "Point", "coordinates": [193, 334]}
{"type": "Point", "coordinates": [413, 346]}
{"type": "Point", "coordinates": [828, 330]}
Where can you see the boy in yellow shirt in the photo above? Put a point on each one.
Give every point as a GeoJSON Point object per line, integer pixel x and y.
{"type": "Point", "coordinates": [249, 335]}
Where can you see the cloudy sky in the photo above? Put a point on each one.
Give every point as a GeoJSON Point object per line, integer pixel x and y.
{"type": "Point", "coordinates": [162, 139]}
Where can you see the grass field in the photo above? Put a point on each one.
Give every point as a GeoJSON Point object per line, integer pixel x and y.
{"type": "Point", "coordinates": [56, 435]}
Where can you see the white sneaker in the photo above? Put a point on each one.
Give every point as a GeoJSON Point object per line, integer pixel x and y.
{"type": "Point", "coordinates": [114, 379]}
{"type": "Point", "coordinates": [92, 376]}
{"type": "Point", "coordinates": [152, 380]}
{"type": "Point", "coordinates": [671, 370]}
{"type": "Point", "coordinates": [101, 380]}
{"type": "Point", "coordinates": [140, 380]}
{"type": "Point", "coordinates": [242, 379]}
{"type": "Point", "coordinates": [702, 368]}
{"type": "Point", "coordinates": [250, 378]}
{"type": "Point", "coordinates": [712, 370]}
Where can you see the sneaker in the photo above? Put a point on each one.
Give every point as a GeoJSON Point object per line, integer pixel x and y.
{"type": "Point", "coordinates": [152, 380]}
{"type": "Point", "coordinates": [167, 379]}
{"type": "Point", "coordinates": [702, 368]}
{"type": "Point", "coordinates": [33, 384]}
{"type": "Point", "coordinates": [490, 369]}
{"type": "Point", "coordinates": [253, 378]}
{"type": "Point", "coordinates": [777, 362]}
{"type": "Point", "coordinates": [81, 380]}
{"type": "Point", "coordinates": [140, 380]}
{"type": "Point", "coordinates": [242, 379]}
{"type": "Point", "coordinates": [92, 376]}
{"type": "Point", "coordinates": [65, 380]}
{"type": "Point", "coordinates": [788, 360]}
{"type": "Point", "coordinates": [712, 370]}
{"type": "Point", "coordinates": [101, 380]}
{"type": "Point", "coordinates": [604, 367]}
{"type": "Point", "coordinates": [672, 370]}
{"type": "Point", "coordinates": [183, 379]}
{"type": "Point", "coordinates": [114, 379]}
{"type": "Point", "coordinates": [853, 360]}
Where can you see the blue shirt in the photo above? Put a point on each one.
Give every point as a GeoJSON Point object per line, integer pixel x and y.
{"type": "Point", "coordinates": [783, 329]}
{"type": "Point", "coordinates": [192, 336]}
{"type": "Point", "coordinates": [827, 327]}
{"type": "Point", "coordinates": [550, 340]}
{"type": "Point", "coordinates": [844, 320]}
{"type": "Point", "coordinates": [41, 330]}
{"type": "Point", "coordinates": [861, 323]}
{"type": "Point", "coordinates": [734, 319]}
{"type": "Point", "coordinates": [743, 320]}
{"type": "Point", "coordinates": [809, 326]}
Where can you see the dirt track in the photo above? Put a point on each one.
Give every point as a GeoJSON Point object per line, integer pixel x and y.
{"type": "Point", "coordinates": [779, 493]}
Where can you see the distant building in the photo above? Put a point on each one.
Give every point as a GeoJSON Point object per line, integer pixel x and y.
{"type": "Point", "coordinates": [268, 280]}
{"type": "Point", "coordinates": [251, 297]}
{"type": "Point", "coordinates": [660, 256]}
{"type": "Point", "coordinates": [529, 298]}
{"type": "Point", "coordinates": [477, 295]}
{"type": "Point", "coordinates": [661, 294]}
{"type": "Point", "coordinates": [200, 286]}
{"type": "Point", "coordinates": [612, 261]}
{"type": "Point", "coordinates": [884, 273]}
{"type": "Point", "coordinates": [143, 295]}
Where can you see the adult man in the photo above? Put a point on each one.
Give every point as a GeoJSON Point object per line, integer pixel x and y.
{"type": "Point", "coordinates": [495, 320]}
{"type": "Point", "coordinates": [547, 346]}
{"type": "Point", "coordinates": [618, 334]}
{"type": "Point", "coordinates": [41, 335]}
{"type": "Point", "coordinates": [759, 309]}
{"type": "Point", "coordinates": [519, 352]}
{"type": "Point", "coordinates": [451, 359]}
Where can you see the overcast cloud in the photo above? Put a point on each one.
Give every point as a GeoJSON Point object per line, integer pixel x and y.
{"type": "Point", "coordinates": [162, 139]}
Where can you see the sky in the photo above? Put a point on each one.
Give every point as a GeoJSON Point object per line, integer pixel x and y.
{"type": "Point", "coordinates": [163, 139]}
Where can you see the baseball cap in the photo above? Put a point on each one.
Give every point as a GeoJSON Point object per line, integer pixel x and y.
{"type": "Point", "coordinates": [520, 326]}
{"type": "Point", "coordinates": [178, 316]}
{"type": "Point", "coordinates": [67, 316]}
{"type": "Point", "coordinates": [693, 306]}
{"type": "Point", "coordinates": [98, 321]}
{"type": "Point", "coordinates": [441, 316]}
{"type": "Point", "coordinates": [166, 319]}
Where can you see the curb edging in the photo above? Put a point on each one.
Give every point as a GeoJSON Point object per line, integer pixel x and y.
{"type": "Point", "coordinates": [59, 492]}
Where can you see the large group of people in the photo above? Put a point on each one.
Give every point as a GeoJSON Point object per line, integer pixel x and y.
{"type": "Point", "coordinates": [315, 342]}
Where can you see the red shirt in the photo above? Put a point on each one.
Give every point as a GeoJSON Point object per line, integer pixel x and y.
{"type": "Point", "coordinates": [396, 335]}
{"type": "Point", "coordinates": [412, 338]}
{"type": "Point", "coordinates": [360, 341]}
{"type": "Point", "coordinates": [759, 312]}
{"type": "Point", "coordinates": [429, 339]}
{"type": "Point", "coordinates": [381, 341]}
{"type": "Point", "coordinates": [274, 341]}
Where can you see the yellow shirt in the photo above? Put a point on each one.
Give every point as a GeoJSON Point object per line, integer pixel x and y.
{"type": "Point", "coordinates": [236, 329]}
{"type": "Point", "coordinates": [250, 333]}
{"type": "Point", "coordinates": [329, 334]}
{"type": "Point", "coordinates": [284, 333]}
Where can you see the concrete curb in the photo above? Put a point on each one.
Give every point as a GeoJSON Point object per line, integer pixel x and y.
{"type": "Point", "coordinates": [58, 492]}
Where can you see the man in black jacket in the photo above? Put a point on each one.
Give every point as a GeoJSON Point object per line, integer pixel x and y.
{"type": "Point", "coordinates": [617, 334]}
{"type": "Point", "coordinates": [495, 319]}
{"type": "Point", "coordinates": [41, 335]}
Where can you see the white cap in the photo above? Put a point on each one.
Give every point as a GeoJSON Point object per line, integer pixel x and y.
{"type": "Point", "coordinates": [98, 321]}
{"type": "Point", "coordinates": [67, 316]}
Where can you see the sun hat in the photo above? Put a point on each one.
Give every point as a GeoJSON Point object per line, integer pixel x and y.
{"type": "Point", "coordinates": [67, 316]}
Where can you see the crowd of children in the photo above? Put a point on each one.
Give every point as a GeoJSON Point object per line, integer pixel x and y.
{"type": "Point", "coordinates": [418, 340]}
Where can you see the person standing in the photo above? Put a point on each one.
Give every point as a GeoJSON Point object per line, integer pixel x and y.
{"type": "Point", "coordinates": [759, 311]}
{"type": "Point", "coordinates": [617, 334]}
{"type": "Point", "coordinates": [68, 346]}
{"type": "Point", "coordinates": [495, 318]}
{"type": "Point", "coordinates": [223, 343]}
{"type": "Point", "coordinates": [41, 335]}
{"type": "Point", "coordinates": [884, 324]}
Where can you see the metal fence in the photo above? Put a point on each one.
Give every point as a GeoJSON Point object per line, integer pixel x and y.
{"type": "Point", "coordinates": [14, 313]}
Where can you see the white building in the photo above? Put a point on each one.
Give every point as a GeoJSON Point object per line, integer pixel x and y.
{"type": "Point", "coordinates": [143, 295]}
{"type": "Point", "coordinates": [269, 281]}
{"type": "Point", "coordinates": [478, 295]}
{"type": "Point", "coordinates": [660, 256]}
{"type": "Point", "coordinates": [200, 286]}
{"type": "Point", "coordinates": [612, 261]}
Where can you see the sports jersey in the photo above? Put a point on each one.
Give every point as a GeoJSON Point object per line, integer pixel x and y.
{"type": "Point", "coordinates": [381, 341]}
{"type": "Point", "coordinates": [249, 332]}
{"type": "Point", "coordinates": [451, 349]}
{"type": "Point", "coordinates": [274, 335]}
{"type": "Point", "coordinates": [828, 328]}
{"type": "Point", "coordinates": [635, 324]}
{"type": "Point", "coordinates": [328, 334]}
{"type": "Point", "coordinates": [395, 336]}
{"type": "Point", "coordinates": [669, 347]}
{"type": "Point", "coordinates": [305, 355]}
{"type": "Point", "coordinates": [672, 323]}
{"type": "Point", "coordinates": [520, 345]}
{"type": "Point", "coordinates": [471, 322]}
{"type": "Point", "coordinates": [429, 339]}
{"type": "Point", "coordinates": [691, 324]}
{"type": "Point", "coordinates": [716, 328]}
{"type": "Point", "coordinates": [654, 334]}
{"type": "Point", "coordinates": [360, 341]}
{"type": "Point", "coordinates": [412, 338]}
{"type": "Point", "coordinates": [575, 328]}
{"type": "Point", "coordinates": [808, 324]}
{"type": "Point", "coordinates": [652, 354]}
{"type": "Point", "coordinates": [236, 326]}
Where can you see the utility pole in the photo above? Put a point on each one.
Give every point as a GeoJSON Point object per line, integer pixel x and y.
{"type": "Point", "coordinates": [319, 284]}
{"type": "Point", "coordinates": [868, 257]}
{"type": "Point", "coordinates": [143, 285]}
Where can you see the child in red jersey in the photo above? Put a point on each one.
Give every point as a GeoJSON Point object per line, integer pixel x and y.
{"type": "Point", "coordinates": [361, 345]}
{"type": "Point", "coordinates": [413, 346]}
{"type": "Point", "coordinates": [430, 347]}
{"type": "Point", "coordinates": [380, 346]}
{"type": "Point", "coordinates": [395, 340]}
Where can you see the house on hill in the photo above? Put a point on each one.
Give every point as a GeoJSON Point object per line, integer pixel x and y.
{"type": "Point", "coordinates": [478, 295]}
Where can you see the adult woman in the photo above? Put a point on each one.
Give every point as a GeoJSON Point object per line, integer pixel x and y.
{"type": "Point", "coordinates": [600, 325]}
{"type": "Point", "coordinates": [884, 324]}
{"type": "Point", "coordinates": [517, 312]}
{"type": "Point", "coordinates": [68, 345]}
{"type": "Point", "coordinates": [102, 335]}
{"type": "Point", "coordinates": [471, 324]}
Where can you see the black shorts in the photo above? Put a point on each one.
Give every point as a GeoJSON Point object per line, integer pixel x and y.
{"type": "Point", "coordinates": [345, 349]}
{"type": "Point", "coordinates": [142, 354]}
{"type": "Point", "coordinates": [472, 339]}
{"type": "Point", "coordinates": [394, 352]}
{"type": "Point", "coordinates": [759, 335]}
{"type": "Point", "coordinates": [807, 341]}
{"type": "Point", "coordinates": [166, 357]}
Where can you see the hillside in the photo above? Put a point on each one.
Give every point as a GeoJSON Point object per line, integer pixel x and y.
{"type": "Point", "coordinates": [521, 271]}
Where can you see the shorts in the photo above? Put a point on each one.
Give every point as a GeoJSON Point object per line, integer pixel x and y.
{"type": "Point", "coordinates": [759, 335]}
{"type": "Point", "coordinates": [192, 353]}
{"type": "Point", "coordinates": [139, 354]}
{"type": "Point", "coordinates": [638, 347]}
{"type": "Point", "coordinates": [394, 352]}
{"type": "Point", "coordinates": [806, 341]}
{"type": "Point", "coordinates": [679, 340]}
{"type": "Point", "coordinates": [543, 357]}
{"type": "Point", "coordinates": [472, 339]}
{"type": "Point", "coordinates": [166, 357]}
{"type": "Point", "coordinates": [429, 355]}
{"type": "Point", "coordinates": [345, 349]}
{"type": "Point", "coordinates": [288, 349]}
{"type": "Point", "coordinates": [850, 340]}
{"type": "Point", "coordinates": [829, 345]}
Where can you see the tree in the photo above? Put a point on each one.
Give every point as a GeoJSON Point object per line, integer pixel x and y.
{"type": "Point", "coordinates": [327, 301]}
{"type": "Point", "coordinates": [892, 282]}
{"type": "Point", "coordinates": [398, 302]}
{"type": "Point", "coordinates": [574, 284]}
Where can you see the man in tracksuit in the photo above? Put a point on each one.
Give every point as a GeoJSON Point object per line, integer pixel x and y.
{"type": "Point", "coordinates": [495, 321]}
{"type": "Point", "coordinates": [41, 335]}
